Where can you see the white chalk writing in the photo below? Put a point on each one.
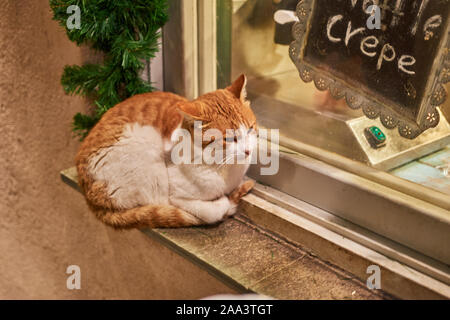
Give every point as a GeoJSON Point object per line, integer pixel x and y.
{"type": "Point", "coordinates": [370, 46]}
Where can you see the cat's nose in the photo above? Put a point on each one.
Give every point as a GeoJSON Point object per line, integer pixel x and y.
{"type": "Point", "coordinates": [247, 152]}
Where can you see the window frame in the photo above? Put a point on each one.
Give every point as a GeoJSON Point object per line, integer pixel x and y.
{"type": "Point", "coordinates": [402, 211]}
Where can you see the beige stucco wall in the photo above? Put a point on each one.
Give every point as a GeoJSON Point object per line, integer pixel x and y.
{"type": "Point", "coordinates": [44, 224]}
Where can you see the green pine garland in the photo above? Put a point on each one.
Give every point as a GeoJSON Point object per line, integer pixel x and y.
{"type": "Point", "coordinates": [126, 31]}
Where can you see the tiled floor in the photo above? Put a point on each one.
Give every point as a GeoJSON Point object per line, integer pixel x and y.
{"type": "Point", "coordinates": [429, 171]}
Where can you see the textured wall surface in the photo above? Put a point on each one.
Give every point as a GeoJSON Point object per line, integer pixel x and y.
{"type": "Point", "coordinates": [45, 225]}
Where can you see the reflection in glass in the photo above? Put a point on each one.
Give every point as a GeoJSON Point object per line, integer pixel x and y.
{"type": "Point", "coordinates": [255, 44]}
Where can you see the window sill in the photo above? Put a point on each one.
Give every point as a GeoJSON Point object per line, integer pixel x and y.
{"type": "Point", "coordinates": [285, 256]}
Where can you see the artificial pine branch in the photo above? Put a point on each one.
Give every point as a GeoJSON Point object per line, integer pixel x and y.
{"type": "Point", "coordinates": [126, 31]}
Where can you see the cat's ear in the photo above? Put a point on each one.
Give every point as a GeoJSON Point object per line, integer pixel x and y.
{"type": "Point", "coordinates": [238, 88]}
{"type": "Point", "coordinates": [191, 110]}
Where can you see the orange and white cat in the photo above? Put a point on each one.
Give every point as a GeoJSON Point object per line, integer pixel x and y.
{"type": "Point", "coordinates": [126, 172]}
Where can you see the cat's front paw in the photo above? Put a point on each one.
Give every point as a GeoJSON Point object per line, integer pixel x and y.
{"type": "Point", "coordinates": [231, 210]}
{"type": "Point", "coordinates": [241, 191]}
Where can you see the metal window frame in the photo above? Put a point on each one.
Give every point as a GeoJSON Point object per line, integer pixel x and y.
{"type": "Point", "coordinates": [391, 210]}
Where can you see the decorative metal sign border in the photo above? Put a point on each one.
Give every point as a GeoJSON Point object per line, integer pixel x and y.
{"type": "Point", "coordinates": [428, 114]}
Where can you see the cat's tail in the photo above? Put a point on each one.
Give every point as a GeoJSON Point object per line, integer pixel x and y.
{"type": "Point", "coordinates": [150, 216]}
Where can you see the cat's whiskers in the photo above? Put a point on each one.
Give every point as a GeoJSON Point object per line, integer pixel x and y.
{"type": "Point", "coordinates": [225, 160]}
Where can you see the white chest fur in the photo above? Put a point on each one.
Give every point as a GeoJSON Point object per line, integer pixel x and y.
{"type": "Point", "coordinates": [204, 182]}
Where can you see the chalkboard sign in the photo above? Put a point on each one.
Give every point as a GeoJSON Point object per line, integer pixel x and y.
{"type": "Point", "coordinates": [389, 57]}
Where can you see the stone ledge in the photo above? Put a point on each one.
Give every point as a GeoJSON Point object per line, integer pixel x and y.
{"type": "Point", "coordinates": [248, 259]}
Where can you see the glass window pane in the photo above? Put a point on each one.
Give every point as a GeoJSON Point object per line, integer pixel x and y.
{"type": "Point", "coordinates": [254, 38]}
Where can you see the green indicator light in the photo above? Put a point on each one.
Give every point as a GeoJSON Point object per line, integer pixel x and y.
{"type": "Point", "coordinates": [378, 134]}
{"type": "Point", "coordinates": [375, 137]}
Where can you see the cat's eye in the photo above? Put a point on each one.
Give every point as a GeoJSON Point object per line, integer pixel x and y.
{"type": "Point", "coordinates": [231, 139]}
{"type": "Point", "coordinates": [252, 128]}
